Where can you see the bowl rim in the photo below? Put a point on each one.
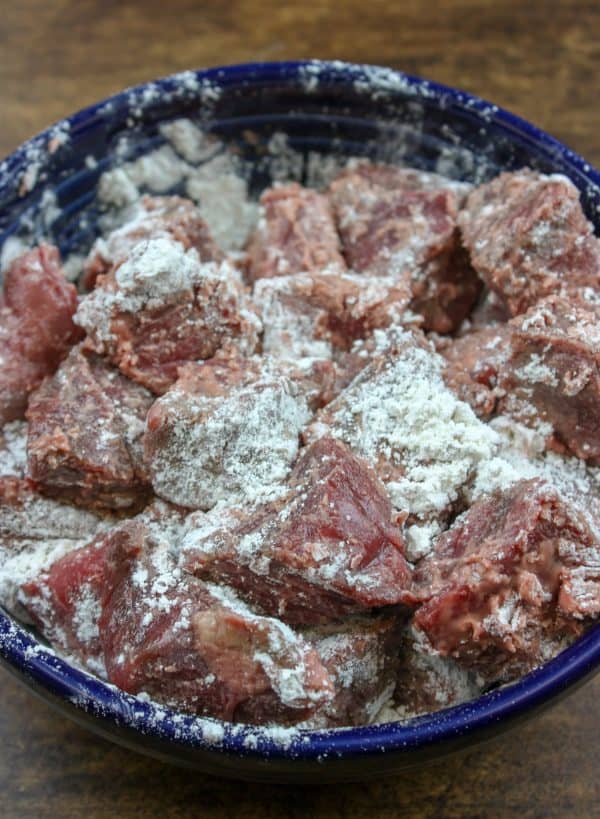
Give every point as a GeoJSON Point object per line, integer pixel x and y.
{"type": "Point", "coordinates": [21, 651]}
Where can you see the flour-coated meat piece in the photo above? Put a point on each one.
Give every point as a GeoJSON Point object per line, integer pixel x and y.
{"type": "Point", "coordinates": [511, 582]}
{"type": "Point", "coordinates": [528, 237]}
{"type": "Point", "coordinates": [35, 532]}
{"type": "Point", "coordinates": [150, 217]}
{"type": "Point", "coordinates": [227, 431]}
{"type": "Point", "coordinates": [329, 548]}
{"type": "Point", "coordinates": [36, 326]}
{"type": "Point", "coordinates": [362, 657]}
{"type": "Point", "coordinates": [85, 428]}
{"type": "Point", "coordinates": [475, 362]}
{"type": "Point", "coordinates": [552, 377]}
{"type": "Point", "coordinates": [162, 307]}
{"type": "Point", "coordinates": [295, 234]}
{"type": "Point", "coordinates": [401, 224]}
{"type": "Point", "coordinates": [315, 315]}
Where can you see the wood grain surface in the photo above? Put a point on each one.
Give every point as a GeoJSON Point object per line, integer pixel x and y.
{"type": "Point", "coordinates": [539, 58]}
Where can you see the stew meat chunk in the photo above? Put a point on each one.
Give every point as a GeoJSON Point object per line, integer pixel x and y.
{"type": "Point", "coordinates": [85, 428]}
{"type": "Point", "coordinates": [36, 326]}
{"type": "Point", "coordinates": [513, 579]}
{"type": "Point", "coordinates": [329, 548]}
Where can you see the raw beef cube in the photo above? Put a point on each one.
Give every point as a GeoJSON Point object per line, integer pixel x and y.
{"type": "Point", "coordinates": [122, 608]}
{"type": "Point", "coordinates": [445, 291]}
{"type": "Point", "coordinates": [393, 177]}
{"type": "Point", "coordinates": [500, 588]}
{"type": "Point", "coordinates": [528, 237]}
{"type": "Point", "coordinates": [163, 307]}
{"type": "Point", "coordinates": [151, 217]}
{"type": "Point", "coordinates": [401, 224]}
{"type": "Point", "coordinates": [398, 414]}
{"type": "Point", "coordinates": [553, 374]}
{"type": "Point", "coordinates": [317, 380]}
{"type": "Point", "coordinates": [321, 380]}
{"type": "Point", "coordinates": [328, 549]}
{"type": "Point", "coordinates": [361, 655]}
{"type": "Point", "coordinates": [18, 374]}
{"type": "Point", "coordinates": [295, 234]}
{"type": "Point", "coordinates": [389, 223]}
{"type": "Point", "coordinates": [66, 600]}
{"type": "Point", "coordinates": [427, 682]}
{"type": "Point", "coordinates": [34, 532]}
{"type": "Point", "coordinates": [249, 669]}
{"type": "Point", "coordinates": [167, 634]}
{"type": "Point", "coordinates": [579, 579]}
{"type": "Point", "coordinates": [34, 289]}
{"type": "Point", "coordinates": [85, 430]}
{"type": "Point", "coordinates": [36, 326]}
{"type": "Point", "coordinates": [475, 363]}
{"type": "Point", "coordinates": [227, 430]}
{"type": "Point", "coordinates": [315, 315]}
{"type": "Point", "coordinates": [301, 314]}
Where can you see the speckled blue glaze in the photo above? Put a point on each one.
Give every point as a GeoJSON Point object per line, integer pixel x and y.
{"type": "Point", "coordinates": [327, 107]}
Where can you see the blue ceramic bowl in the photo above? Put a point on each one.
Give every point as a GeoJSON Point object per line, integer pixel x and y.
{"type": "Point", "coordinates": [330, 108]}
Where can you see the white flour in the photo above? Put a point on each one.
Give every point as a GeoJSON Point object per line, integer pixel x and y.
{"type": "Point", "coordinates": [237, 449]}
{"type": "Point", "coordinates": [405, 416]}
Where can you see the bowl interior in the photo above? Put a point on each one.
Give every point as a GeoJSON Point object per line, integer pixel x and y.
{"type": "Point", "coordinates": [325, 108]}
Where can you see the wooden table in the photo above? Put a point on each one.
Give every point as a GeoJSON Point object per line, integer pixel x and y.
{"type": "Point", "coordinates": [538, 58]}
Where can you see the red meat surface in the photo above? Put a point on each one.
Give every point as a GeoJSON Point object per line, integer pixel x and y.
{"type": "Point", "coordinates": [36, 326]}
{"type": "Point", "coordinates": [554, 369]}
{"type": "Point", "coordinates": [35, 532]}
{"type": "Point", "coordinates": [320, 381]}
{"type": "Point", "coordinates": [328, 549]}
{"type": "Point", "coordinates": [401, 224]}
{"type": "Point", "coordinates": [150, 217]}
{"type": "Point", "coordinates": [150, 329]}
{"type": "Point", "coordinates": [227, 428]}
{"type": "Point", "coordinates": [296, 234]}
{"type": "Point", "coordinates": [475, 363]}
{"type": "Point", "coordinates": [19, 375]}
{"type": "Point", "coordinates": [248, 662]}
{"type": "Point", "coordinates": [214, 380]}
{"type": "Point", "coordinates": [26, 515]}
{"type": "Point", "coordinates": [66, 600]}
{"type": "Point", "coordinates": [511, 582]}
{"type": "Point", "coordinates": [122, 604]}
{"type": "Point", "coordinates": [362, 657]}
{"type": "Point", "coordinates": [427, 682]}
{"type": "Point", "coordinates": [402, 416]}
{"type": "Point", "coordinates": [527, 237]}
{"type": "Point", "coordinates": [85, 429]}
{"type": "Point", "coordinates": [388, 222]}
{"type": "Point", "coordinates": [539, 368]}
{"type": "Point", "coordinates": [164, 632]}
{"type": "Point", "coordinates": [315, 315]}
